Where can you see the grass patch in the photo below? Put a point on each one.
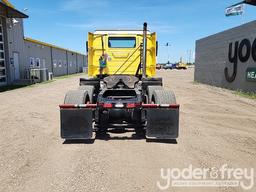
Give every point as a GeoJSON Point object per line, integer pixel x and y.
{"type": "Point", "coordinates": [38, 84]}
{"type": "Point", "coordinates": [249, 95]}
{"type": "Point", "coordinates": [196, 82]}
{"type": "Point", "coordinates": [45, 82]}
{"type": "Point", "coordinates": [68, 76]}
{"type": "Point", "coordinates": [12, 87]}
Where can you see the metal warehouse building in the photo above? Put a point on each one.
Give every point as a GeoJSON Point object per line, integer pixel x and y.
{"type": "Point", "coordinates": [228, 59]}
{"type": "Point", "coordinates": [18, 55]}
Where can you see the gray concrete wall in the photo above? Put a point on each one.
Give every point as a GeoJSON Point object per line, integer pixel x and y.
{"type": "Point", "coordinates": [15, 36]}
{"type": "Point", "coordinates": [212, 58]}
{"type": "Point", "coordinates": [59, 62]}
{"type": "Point", "coordinates": [80, 63]}
{"type": "Point", "coordinates": [62, 62]}
{"type": "Point", "coordinates": [72, 63]}
{"type": "Point", "coordinates": [37, 51]}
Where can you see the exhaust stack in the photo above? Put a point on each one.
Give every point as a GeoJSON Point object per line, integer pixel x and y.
{"type": "Point", "coordinates": [144, 60]}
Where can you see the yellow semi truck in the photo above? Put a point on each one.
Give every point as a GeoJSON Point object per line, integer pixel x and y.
{"type": "Point", "coordinates": [122, 91]}
{"type": "Point", "coordinates": [181, 65]}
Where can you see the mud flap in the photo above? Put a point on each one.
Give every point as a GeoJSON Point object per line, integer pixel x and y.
{"type": "Point", "coordinates": [162, 123]}
{"type": "Point", "coordinates": [76, 123]}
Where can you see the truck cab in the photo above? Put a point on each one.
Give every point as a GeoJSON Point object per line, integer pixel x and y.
{"type": "Point", "coordinates": [123, 49]}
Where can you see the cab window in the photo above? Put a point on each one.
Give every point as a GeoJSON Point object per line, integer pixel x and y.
{"type": "Point", "coordinates": [121, 42]}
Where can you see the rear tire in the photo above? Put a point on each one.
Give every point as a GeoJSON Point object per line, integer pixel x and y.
{"type": "Point", "coordinates": [90, 91]}
{"type": "Point", "coordinates": [76, 97]}
{"type": "Point", "coordinates": [151, 90]}
{"type": "Point", "coordinates": [163, 97]}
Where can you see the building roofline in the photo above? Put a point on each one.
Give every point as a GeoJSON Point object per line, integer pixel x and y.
{"type": "Point", "coordinates": [11, 12]}
{"type": "Point", "coordinates": [227, 30]}
{"type": "Point", "coordinates": [8, 3]}
{"type": "Point", "coordinates": [28, 39]}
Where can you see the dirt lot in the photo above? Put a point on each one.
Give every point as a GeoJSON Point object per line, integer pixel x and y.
{"type": "Point", "coordinates": [217, 127]}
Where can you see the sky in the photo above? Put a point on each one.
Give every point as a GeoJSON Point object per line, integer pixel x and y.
{"type": "Point", "coordinates": [180, 23]}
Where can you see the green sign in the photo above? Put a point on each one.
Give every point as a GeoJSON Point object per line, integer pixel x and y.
{"type": "Point", "coordinates": [251, 74]}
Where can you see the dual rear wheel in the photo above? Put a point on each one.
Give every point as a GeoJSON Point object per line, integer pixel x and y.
{"type": "Point", "coordinates": [157, 95]}
{"type": "Point", "coordinates": [81, 96]}
{"type": "Point", "coordinates": [85, 94]}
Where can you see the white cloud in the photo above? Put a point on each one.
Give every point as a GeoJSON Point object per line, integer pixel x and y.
{"type": "Point", "coordinates": [154, 26]}
{"type": "Point", "coordinates": [78, 26]}
{"type": "Point", "coordinates": [163, 28]}
{"type": "Point", "coordinates": [103, 25]}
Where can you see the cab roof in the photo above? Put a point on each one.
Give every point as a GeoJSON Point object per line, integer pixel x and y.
{"type": "Point", "coordinates": [118, 32]}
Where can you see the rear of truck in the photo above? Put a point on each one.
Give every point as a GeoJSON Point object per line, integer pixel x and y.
{"type": "Point", "coordinates": [124, 94]}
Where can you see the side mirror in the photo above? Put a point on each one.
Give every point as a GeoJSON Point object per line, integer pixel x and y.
{"type": "Point", "coordinates": [157, 48]}
{"type": "Point", "coordinates": [87, 48]}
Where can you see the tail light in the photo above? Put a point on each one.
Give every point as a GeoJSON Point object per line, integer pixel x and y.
{"type": "Point", "coordinates": [107, 105]}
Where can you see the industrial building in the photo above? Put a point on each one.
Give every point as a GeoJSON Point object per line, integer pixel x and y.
{"type": "Point", "coordinates": [228, 59]}
{"type": "Point", "coordinates": [19, 54]}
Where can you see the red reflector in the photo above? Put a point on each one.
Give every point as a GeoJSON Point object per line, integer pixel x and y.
{"type": "Point", "coordinates": [150, 105]}
{"type": "Point", "coordinates": [174, 106]}
{"type": "Point", "coordinates": [67, 106]}
{"type": "Point", "coordinates": [132, 105]}
{"type": "Point", "coordinates": [107, 105]}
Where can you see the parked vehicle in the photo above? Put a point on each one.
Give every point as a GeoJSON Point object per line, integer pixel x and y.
{"type": "Point", "coordinates": [182, 66]}
{"type": "Point", "coordinates": [158, 66]}
{"type": "Point", "coordinates": [124, 94]}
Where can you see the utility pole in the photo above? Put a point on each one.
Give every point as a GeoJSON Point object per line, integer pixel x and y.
{"type": "Point", "coordinates": [187, 56]}
{"type": "Point", "coordinates": [190, 55]}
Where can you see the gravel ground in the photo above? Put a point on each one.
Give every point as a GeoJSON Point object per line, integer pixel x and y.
{"type": "Point", "coordinates": [216, 127]}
